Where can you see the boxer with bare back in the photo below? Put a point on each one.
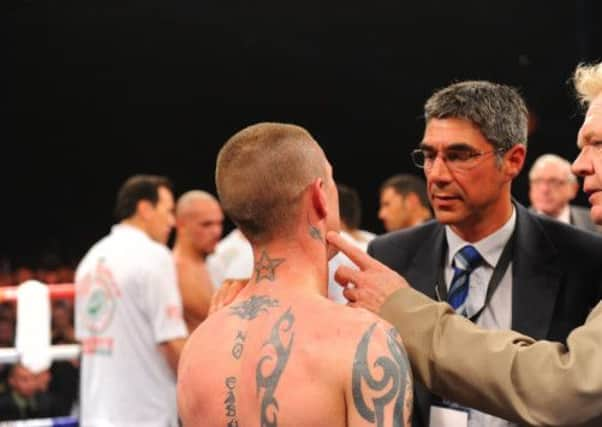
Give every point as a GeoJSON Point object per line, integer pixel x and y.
{"type": "Point", "coordinates": [282, 354]}
{"type": "Point", "coordinates": [199, 221]}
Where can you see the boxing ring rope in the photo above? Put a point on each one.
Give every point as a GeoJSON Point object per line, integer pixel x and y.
{"type": "Point", "coordinates": [42, 294]}
{"type": "Point", "coordinates": [57, 352]}
{"type": "Point", "coordinates": [58, 291]}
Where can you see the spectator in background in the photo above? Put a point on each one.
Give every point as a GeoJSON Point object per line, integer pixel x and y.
{"type": "Point", "coordinates": [7, 336]}
{"type": "Point", "coordinates": [552, 186]}
{"type": "Point", "coordinates": [7, 331]}
{"type": "Point", "coordinates": [199, 221]}
{"type": "Point", "coordinates": [25, 396]}
{"type": "Point", "coordinates": [350, 210]}
{"type": "Point", "coordinates": [129, 313]}
{"type": "Point", "coordinates": [63, 382]}
{"type": "Point", "coordinates": [403, 202]}
{"type": "Point", "coordinates": [63, 331]}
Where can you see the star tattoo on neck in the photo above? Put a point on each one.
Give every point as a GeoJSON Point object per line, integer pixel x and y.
{"type": "Point", "coordinates": [265, 267]}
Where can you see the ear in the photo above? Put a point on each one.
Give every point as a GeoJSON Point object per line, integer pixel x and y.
{"type": "Point", "coordinates": [318, 198]}
{"type": "Point", "coordinates": [410, 199]}
{"type": "Point", "coordinates": [144, 208]}
{"type": "Point", "coordinates": [514, 159]}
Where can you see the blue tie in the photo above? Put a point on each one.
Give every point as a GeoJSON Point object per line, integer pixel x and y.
{"type": "Point", "coordinates": [465, 261]}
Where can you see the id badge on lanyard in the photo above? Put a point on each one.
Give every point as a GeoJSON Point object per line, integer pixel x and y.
{"type": "Point", "coordinates": [446, 416]}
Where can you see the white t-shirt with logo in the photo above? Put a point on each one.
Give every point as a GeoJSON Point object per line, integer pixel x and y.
{"type": "Point", "coordinates": [127, 302]}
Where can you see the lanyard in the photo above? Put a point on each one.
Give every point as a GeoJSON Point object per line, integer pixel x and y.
{"type": "Point", "coordinates": [496, 277]}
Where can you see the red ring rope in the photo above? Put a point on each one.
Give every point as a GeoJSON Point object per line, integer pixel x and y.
{"type": "Point", "coordinates": [58, 291]}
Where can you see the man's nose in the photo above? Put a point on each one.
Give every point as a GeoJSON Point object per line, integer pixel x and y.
{"type": "Point", "coordinates": [439, 171]}
{"type": "Point", "coordinates": [582, 165]}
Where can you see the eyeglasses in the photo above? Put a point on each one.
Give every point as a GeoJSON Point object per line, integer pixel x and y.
{"type": "Point", "coordinates": [552, 182]}
{"type": "Point", "coordinates": [461, 158]}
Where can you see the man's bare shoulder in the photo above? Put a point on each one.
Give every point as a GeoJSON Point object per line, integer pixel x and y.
{"type": "Point", "coordinates": [380, 390]}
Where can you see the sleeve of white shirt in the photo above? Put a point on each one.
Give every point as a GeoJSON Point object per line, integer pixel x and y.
{"type": "Point", "coordinates": [164, 303]}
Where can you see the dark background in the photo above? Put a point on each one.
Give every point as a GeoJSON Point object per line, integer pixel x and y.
{"type": "Point", "coordinates": [99, 90]}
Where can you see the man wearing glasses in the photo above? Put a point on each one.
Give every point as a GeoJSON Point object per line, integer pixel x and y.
{"type": "Point", "coordinates": [492, 260]}
{"type": "Point", "coordinates": [552, 186]}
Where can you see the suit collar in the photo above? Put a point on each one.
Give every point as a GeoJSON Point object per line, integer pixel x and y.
{"type": "Point", "coordinates": [536, 272]}
{"type": "Point", "coordinates": [428, 260]}
{"type": "Point", "coordinates": [536, 276]}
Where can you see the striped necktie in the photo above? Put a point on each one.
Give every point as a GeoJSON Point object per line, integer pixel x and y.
{"type": "Point", "coordinates": [465, 261]}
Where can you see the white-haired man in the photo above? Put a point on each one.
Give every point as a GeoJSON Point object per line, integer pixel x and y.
{"type": "Point", "coordinates": [552, 186]}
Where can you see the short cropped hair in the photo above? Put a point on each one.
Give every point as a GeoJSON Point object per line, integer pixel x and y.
{"type": "Point", "coordinates": [497, 110]}
{"type": "Point", "coordinates": [404, 184]}
{"type": "Point", "coordinates": [350, 206]}
{"type": "Point", "coordinates": [261, 173]}
{"type": "Point", "coordinates": [588, 82]}
{"type": "Point", "coordinates": [137, 188]}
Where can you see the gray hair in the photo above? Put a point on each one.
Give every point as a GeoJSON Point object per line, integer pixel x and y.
{"type": "Point", "coordinates": [552, 159]}
{"type": "Point", "coordinates": [588, 82]}
{"type": "Point", "coordinates": [497, 110]}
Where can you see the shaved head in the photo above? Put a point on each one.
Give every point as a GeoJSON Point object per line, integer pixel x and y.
{"type": "Point", "coordinates": [199, 221]}
{"type": "Point", "coordinates": [187, 201]}
{"type": "Point", "coordinates": [261, 173]}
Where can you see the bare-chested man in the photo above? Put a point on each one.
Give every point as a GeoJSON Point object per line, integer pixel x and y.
{"type": "Point", "coordinates": [282, 354]}
{"type": "Point", "coordinates": [199, 222]}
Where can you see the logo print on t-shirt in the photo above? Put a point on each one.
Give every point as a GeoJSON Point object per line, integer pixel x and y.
{"type": "Point", "coordinates": [101, 294]}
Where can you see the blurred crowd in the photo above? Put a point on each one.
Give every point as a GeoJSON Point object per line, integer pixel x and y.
{"type": "Point", "coordinates": [52, 392]}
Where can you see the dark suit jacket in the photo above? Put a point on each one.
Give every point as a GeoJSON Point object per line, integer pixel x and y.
{"type": "Point", "coordinates": [9, 410]}
{"type": "Point", "coordinates": [556, 276]}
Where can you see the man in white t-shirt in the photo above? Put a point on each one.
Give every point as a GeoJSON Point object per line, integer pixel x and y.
{"type": "Point", "coordinates": [129, 314]}
{"type": "Point", "coordinates": [232, 259]}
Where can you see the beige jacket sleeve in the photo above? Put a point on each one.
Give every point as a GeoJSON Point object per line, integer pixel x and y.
{"type": "Point", "coordinates": [502, 372]}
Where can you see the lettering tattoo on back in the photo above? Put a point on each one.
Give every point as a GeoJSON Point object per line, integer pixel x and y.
{"type": "Point", "coordinates": [239, 343]}
{"type": "Point", "coordinates": [265, 267]}
{"type": "Point", "coordinates": [270, 367]}
{"type": "Point", "coordinates": [230, 402]}
{"type": "Point", "coordinates": [381, 380]}
{"type": "Point", "coordinates": [249, 309]}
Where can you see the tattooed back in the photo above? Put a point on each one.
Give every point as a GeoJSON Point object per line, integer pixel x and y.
{"type": "Point", "coordinates": [278, 358]}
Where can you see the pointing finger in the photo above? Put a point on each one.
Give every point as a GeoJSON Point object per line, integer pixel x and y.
{"type": "Point", "coordinates": [359, 258]}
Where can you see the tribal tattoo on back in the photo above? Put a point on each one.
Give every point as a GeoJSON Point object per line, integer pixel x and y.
{"type": "Point", "coordinates": [270, 367]}
{"type": "Point", "coordinates": [252, 307]}
{"type": "Point", "coordinates": [384, 381]}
